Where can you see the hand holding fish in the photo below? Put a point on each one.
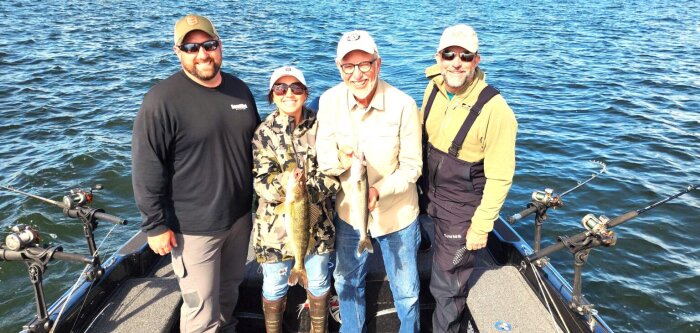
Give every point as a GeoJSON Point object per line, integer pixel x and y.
{"type": "Point", "coordinates": [373, 198]}
{"type": "Point", "coordinates": [300, 176]}
{"type": "Point", "coordinates": [345, 154]}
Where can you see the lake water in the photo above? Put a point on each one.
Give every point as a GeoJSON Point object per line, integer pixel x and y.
{"type": "Point", "coordinates": [612, 81]}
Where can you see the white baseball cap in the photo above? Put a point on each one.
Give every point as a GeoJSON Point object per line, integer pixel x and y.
{"type": "Point", "coordinates": [286, 71]}
{"type": "Point", "coordinates": [355, 40]}
{"type": "Point", "coordinates": [460, 35]}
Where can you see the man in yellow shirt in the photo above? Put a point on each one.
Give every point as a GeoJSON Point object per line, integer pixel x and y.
{"type": "Point", "coordinates": [469, 163]}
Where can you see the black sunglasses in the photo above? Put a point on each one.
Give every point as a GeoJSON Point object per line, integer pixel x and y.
{"type": "Point", "coordinates": [464, 56]}
{"type": "Point", "coordinates": [281, 88]}
{"type": "Point", "coordinates": [209, 45]}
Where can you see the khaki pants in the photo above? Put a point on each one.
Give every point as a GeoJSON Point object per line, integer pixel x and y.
{"type": "Point", "coordinates": [209, 270]}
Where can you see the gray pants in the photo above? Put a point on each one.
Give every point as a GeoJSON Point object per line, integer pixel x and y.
{"type": "Point", "coordinates": [209, 270]}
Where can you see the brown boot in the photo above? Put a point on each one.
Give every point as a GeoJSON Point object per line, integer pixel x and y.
{"type": "Point", "coordinates": [274, 311]}
{"type": "Point", "coordinates": [318, 311]}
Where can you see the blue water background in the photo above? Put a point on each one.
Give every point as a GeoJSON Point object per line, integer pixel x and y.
{"type": "Point", "coordinates": [612, 81]}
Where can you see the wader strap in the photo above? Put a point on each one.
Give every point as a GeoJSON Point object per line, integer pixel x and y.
{"type": "Point", "coordinates": [429, 104]}
{"type": "Point", "coordinates": [424, 174]}
{"type": "Point", "coordinates": [485, 96]}
{"type": "Point", "coordinates": [426, 110]}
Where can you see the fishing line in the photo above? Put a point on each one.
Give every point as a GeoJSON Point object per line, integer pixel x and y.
{"type": "Point", "coordinates": [602, 170]}
{"type": "Point", "coordinates": [548, 298]}
{"type": "Point", "coordinates": [77, 283]}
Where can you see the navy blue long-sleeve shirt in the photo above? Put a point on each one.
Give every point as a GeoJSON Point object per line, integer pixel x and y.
{"type": "Point", "coordinates": [192, 156]}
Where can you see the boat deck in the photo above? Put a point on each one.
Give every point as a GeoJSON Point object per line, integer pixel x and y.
{"type": "Point", "coordinates": [499, 297]}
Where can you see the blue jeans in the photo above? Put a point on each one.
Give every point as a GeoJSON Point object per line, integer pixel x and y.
{"type": "Point", "coordinates": [275, 275]}
{"type": "Point", "coordinates": [399, 251]}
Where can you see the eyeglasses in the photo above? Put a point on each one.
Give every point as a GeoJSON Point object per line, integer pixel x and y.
{"type": "Point", "coordinates": [281, 88]}
{"type": "Point", "coordinates": [364, 67]}
{"type": "Point", "coordinates": [209, 45]}
{"type": "Point", "coordinates": [464, 56]}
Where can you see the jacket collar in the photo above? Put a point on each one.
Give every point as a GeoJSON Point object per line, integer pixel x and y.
{"type": "Point", "coordinates": [308, 118]}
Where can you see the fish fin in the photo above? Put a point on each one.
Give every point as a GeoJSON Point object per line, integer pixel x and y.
{"type": "Point", "coordinates": [364, 245]}
{"type": "Point", "coordinates": [298, 276]}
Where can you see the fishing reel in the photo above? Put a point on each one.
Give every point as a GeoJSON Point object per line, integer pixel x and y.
{"type": "Point", "coordinates": [547, 197]}
{"type": "Point", "coordinates": [21, 237]}
{"type": "Point", "coordinates": [598, 226]}
{"type": "Point", "coordinates": [78, 197]}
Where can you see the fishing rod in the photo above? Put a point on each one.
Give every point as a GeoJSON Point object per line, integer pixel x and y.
{"type": "Point", "coordinates": [73, 203]}
{"type": "Point", "coordinates": [543, 200]}
{"type": "Point", "coordinates": [549, 199]}
{"type": "Point", "coordinates": [598, 226]}
{"type": "Point", "coordinates": [597, 234]}
{"type": "Point", "coordinates": [76, 205]}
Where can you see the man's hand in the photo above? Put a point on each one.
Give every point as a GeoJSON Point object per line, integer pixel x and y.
{"type": "Point", "coordinates": [476, 241]}
{"type": "Point", "coordinates": [345, 157]}
{"type": "Point", "coordinates": [163, 243]}
{"type": "Point", "coordinates": [373, 195]}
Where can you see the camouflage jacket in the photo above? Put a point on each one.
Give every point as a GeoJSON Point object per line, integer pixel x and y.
{"type": "Point", "coordinates": [273, 159]}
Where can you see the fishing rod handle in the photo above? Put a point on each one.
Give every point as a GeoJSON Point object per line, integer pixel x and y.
{"type": "Point", "coordinates": [58, 255]}
{"type": "Point", "coordinates": [558, 246]}
{"type": "Point", "coordinates": [111, 218]}
{"type": "Point", "coordinates": [9, 255]}
{"type": "Point", "coordinates": [523, 213]}
{"type": "Point", "coordinates": [98, 214]}
{"type": "Point", "coordinates": [622, 218]}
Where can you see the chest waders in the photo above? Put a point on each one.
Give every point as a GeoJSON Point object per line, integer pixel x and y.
{"type": "Point", "coordinates": [452, 188]}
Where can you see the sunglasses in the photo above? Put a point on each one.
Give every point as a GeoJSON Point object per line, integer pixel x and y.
{"type": "Point", "coordinates": [364, 67]}
{"type": "Point", "coordinates": [280, 89]}
{"type": "Point", "coordinates": [464, 56]}
{"type": "Point", "coordinates": [209, 45]}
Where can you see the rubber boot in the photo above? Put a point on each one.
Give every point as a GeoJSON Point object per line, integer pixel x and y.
{"type": "Point", "coordinates": [274, 311]}
{"type": "Point", "coordinates": [318, 311]}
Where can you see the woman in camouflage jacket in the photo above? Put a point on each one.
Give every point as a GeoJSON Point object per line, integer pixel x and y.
{"type": "Point", "coordinates": [284, 143]}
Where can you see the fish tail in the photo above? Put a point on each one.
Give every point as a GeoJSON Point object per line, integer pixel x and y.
{"type": "Point", "coordinates": [298, 276]}
{"type": "Point", "coordinates": [364, 245]}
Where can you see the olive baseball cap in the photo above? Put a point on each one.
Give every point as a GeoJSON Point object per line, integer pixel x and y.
{"type": "Point", "coordinates": [193, 22]}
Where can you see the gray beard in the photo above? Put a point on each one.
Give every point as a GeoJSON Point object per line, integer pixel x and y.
{"type": "Point", "coordinates": [466, 82]}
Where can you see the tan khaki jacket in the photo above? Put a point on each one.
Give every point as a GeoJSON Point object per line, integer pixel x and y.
{"type": "Point", "coordinates": [389, 134]}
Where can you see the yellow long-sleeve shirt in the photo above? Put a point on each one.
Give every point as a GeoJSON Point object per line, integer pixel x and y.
{"type": "Point", "coordinates": [491, 139]}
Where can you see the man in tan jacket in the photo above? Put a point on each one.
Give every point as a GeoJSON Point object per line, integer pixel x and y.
{"type": "Point", "coordinates": [366, 115]}
{"type": "Point", "coordinates": [470, 162]}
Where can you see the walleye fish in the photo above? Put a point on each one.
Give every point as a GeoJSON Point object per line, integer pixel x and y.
{"type": "Point", "coordinates": [297, 224]}
{"type": "Point", "coordinates": [358, 196]}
